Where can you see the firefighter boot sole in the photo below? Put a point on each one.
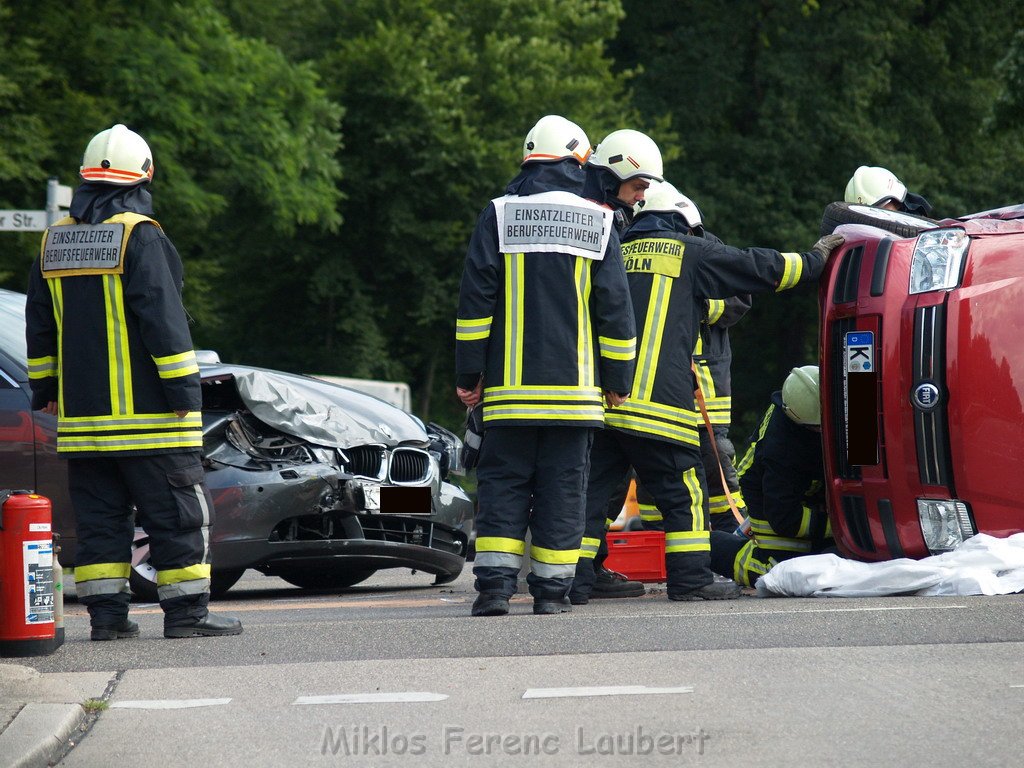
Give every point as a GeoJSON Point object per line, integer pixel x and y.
{"type": "Point", "coordinates": [717, 590]}
{"type": "Point", "coordinates": [610, 584]}
{"type": "Point", "coordinates": [490, 604]}
{"type": "Point", "coordinates": [123, 631]}
{"type": "Point", "coordinates": [211, 626]}
{"type": "Point", "coordinates": [551, 607]}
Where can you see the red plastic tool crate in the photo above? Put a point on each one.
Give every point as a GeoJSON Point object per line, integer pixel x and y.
{"type": "Point", "coordinates": [639, 555]}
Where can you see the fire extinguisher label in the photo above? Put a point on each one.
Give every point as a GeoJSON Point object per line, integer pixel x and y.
{"type": "Point", "coordinates": [38, 582]}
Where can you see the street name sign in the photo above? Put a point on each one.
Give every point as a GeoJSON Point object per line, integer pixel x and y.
{"type": "Point", "coordinates": [22, 221]}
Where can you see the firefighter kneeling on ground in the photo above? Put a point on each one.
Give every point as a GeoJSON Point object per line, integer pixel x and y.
{"type": "Point", "coordinates": [782, 478]}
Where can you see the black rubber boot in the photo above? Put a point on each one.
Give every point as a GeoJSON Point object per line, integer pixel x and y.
{"type": "Point", "coordinates": [716, 590]}
{"type": "Point", "coordinates": [121, 631]}
{"type": "Point", "coordinates": [611, 583]}
{"type": "Point", "coordinates": [550, 607]}
{"type": "Point", "coordinates": [211, 626]}
{"type": "Point", "coordinates": [490, 604]}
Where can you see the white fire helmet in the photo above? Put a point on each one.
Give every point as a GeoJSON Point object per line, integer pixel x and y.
{"type": "Point", "coordinates": [629, 154]}
{"type": "Point", "coordinates": [871, 185]}
{"type": "Point", "coordinates": [117, 156]}
{"type": "Point", "coordinates": [800, 396]}
{"type": "Point", "coordinates": [555, 138]}
{"type": "Point", "coordinates": [663, 197]}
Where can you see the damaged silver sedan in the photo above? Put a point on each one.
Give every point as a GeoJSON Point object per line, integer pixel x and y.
{"type": "Point", "coordinates": [321, 485]}
{"type": "Point", "coordinates": [316, 483]}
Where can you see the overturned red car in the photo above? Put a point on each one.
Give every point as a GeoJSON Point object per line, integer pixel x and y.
{"type": "Point", "coordinates": [922, 379]}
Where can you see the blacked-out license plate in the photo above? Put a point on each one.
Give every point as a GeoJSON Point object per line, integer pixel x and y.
{"type": "Point", "coordinates": [401, 500]}
{"type": "Point", "coordinates": [861, 398]}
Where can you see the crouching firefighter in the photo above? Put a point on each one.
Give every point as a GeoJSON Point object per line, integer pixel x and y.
{"type": "Point", "coordinates": [670, 273]}
{"type": "Point", "coordinates": [544, 335]}
{"type": "Point", "coordinates": [782, 478]}
{"type": "Point", "coordinates": [111, 356]}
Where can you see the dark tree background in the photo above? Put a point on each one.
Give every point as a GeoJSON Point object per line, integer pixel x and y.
{"type": "Point", "coordinates": [321, 163]}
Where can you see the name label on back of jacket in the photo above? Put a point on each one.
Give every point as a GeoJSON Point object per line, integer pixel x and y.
{"type": "Point", "coordinates": [552, 225]}
{"type": "Point", "coordinates": [659, 256]}
{"type": "Point", "coordinates": [83, 249]}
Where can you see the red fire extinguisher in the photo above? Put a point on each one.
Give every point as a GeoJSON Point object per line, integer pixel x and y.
{"type": "Point", "coordinates": [26, 575]}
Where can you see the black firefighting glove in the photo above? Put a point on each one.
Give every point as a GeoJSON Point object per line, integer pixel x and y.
{"type": "Point", "coordinates": [827, 244]}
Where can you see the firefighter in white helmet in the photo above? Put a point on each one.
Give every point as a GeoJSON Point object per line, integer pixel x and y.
{"type": "Point", "coordinates": [879, 187]}
{"type": "Point", "coordinates": [782, 477]}
{"type": "Point", "coordinates": [620, 171]}
{"type": "Point", "coordinates": [670, 273]}
{"type": "Point", "coordinates": [110, 354]}
{"type": "Point", "coordinates": [544, 325]}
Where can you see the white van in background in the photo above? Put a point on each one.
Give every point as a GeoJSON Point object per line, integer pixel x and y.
{"type": "Point", "coordinates": [396, 393]}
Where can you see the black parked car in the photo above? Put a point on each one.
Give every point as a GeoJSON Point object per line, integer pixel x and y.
{"type": "Point", "coordinates": [316, 483]}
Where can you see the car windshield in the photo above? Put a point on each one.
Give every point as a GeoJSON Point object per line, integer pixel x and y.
{"type": "Point", "coordinates": [12, 325]}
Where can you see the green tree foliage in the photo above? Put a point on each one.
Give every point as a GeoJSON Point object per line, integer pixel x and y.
{"type": "Point", "coordinates": [244, 141]}
{"type": "Point", "coordinates": [25, 144]}
{"type": "Point", "coordinates": [437, 98]}
{"type": "Point", "coordinates": [763, 109]}
{"type": "Point", "coordinates": [778, 101]}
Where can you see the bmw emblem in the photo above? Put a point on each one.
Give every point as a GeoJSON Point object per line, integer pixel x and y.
{"type": "Point", "coordinates": [925, 396]}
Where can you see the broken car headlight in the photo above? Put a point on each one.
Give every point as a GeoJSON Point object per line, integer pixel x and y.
{"type": "Point", "coordinates": [446, 447]}
{"type": "Point", "coordinates": [938, 257]}
{"type": "Point", "coordinates": [945, 523]}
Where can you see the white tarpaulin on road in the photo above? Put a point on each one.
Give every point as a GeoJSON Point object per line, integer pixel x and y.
{"type": "Point", "coordinates": [982, 565]}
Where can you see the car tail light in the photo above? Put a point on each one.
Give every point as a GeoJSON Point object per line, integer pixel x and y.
{"type": "Point", "coordinates": [945, 523]}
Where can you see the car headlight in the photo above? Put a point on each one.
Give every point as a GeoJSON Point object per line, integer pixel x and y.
{"type": "Point", "coordinates": [447, 449]}
{"type": "Point", "coordinates": [938, 256]}
{"type": "Point", "coordinates": [945, 523]}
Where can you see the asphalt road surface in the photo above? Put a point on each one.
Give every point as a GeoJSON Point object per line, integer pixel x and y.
{"type": "Point", "coordinates": [396, 672]}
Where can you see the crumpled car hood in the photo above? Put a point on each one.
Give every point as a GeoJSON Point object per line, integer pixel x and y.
{"type": "Point", "coordinates": [317, 411]}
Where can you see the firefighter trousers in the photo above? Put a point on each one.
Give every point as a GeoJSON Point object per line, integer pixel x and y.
{"type": "Point", "coordinates": [530, 478]}
{"type": "Point", "coordinates": [674, 477]}
{"type": "Point", "coordinates": [166, 495]}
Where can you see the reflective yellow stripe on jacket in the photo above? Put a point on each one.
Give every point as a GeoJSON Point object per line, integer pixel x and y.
{"type": "Point", "coordinates": [543, 402]}
{"type": "Point", "coordinates": [173, 366]}
{"type": "Point", "coordinates": [656, 419]}
{"type": "Point", "coordinates": [473, 329]}
{"type": "Point", "coordinates": [793, 270]}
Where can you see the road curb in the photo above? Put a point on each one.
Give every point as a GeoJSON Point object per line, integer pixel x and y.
{"type": "Point", "coordinates": [38, 735]}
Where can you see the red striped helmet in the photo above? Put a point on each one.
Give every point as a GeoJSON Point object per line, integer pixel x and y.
{"type": "Point", "coordinates": [554, 138]}
{"type": "Point", "coordinates": [117, 156]}
{"type": "Point", "coordinates": [629, 154]}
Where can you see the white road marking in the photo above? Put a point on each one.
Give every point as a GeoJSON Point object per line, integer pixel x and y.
{"type": "Point", "coordinates": [1017, 686]}
{"type": "Point", "coordinates": [602, 690]}
{"type": "Point", "coordinates": [618, 617]}
{"type": "Point", "coordinates": [371, 698]}
{"type": "Point", "coordinates": [168, 703]}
